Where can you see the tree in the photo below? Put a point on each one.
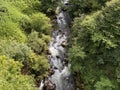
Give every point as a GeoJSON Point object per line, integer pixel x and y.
{"type": "Point", "coordinates": [9, 19]}
{"type": "Point", "coordinates": [11, 77]}
{"type": "Point", "coordinates": [104, 84]}
{"type": "Point", "coordinates": [98, 36]}
{"type": "Point", "coordinates": [77, 7]}
{"type": "Point", "coordinates": [48, 6]}
{"type": "Point", "coordinates": [38, 44]}
{"type": "Point", "coordinates": [33, 64]}
{"type": "Point", "coordinates": [40, 23]}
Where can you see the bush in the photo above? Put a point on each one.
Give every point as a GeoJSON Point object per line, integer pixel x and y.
{"type": "Point", "coordinates": [10, 28]}
{"type": "Point", "coordinates": [37, 44]}
{"type": "Point", "coordinates": [78, 7]}
{"type": "Point", "coordinates": [41, 23]}
{"type": "Point", "coordinates": [11, 77]}
{"type": "Point", "coordinates": [13, 49]}
{"type": "Point", "coordinates": [18, 19]}
{"type": "Point", "coordinates": [104, 84]}
{"type": "Point", "coordinates": [48, 6]}
{"type": "Point", "coordinates": [39, 66]}
{"type": "Point", "coordinates": [98, 36]}
{"type": "Point", "coordinates": [32, 64]}
{"type": "Point", "coordinates": [25, 6]}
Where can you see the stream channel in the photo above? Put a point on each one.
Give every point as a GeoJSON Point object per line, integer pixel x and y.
{"type": "Point", "coordinates": [62, 78]}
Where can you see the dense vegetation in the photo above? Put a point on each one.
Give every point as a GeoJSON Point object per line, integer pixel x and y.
{"type": "Point", "coordinates": [11, 77]}
{"type": "Point", "coordinates": [95, 53]}
{"type": "Point", "coordinates": [24, 35]}
{"type": "Point", "coordinates": [78, 7]}
{"type": "Point", "coordinates": [94, 45]}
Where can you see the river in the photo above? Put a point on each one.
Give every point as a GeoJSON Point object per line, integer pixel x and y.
{"type": "Point", "coordinates": [61, 78]}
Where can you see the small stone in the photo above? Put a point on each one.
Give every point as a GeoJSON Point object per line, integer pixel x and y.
{"type": "Point", "coordinates": [49, 85]}
{"type": "Point", "coordinates": [60, 17]}
{"type": "Point", "coordinates": [55, 68]}
{"type": "Point", "coordinates": [64, 44]}
{"type": "Point", "coordinates": [48, 52]}
{"type": "Point", "coordinates": [51, 72]}
{"type": "Point", "coordinates": [58, 57]}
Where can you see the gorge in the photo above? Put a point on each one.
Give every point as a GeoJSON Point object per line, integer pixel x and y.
{"type": "Point", "coordinates": [61, 78]}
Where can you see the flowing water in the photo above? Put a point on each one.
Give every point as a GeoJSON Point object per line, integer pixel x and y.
{"type": "Point", "coordinates": [62, 77]}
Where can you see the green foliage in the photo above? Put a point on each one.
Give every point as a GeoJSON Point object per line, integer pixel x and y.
{"type": "Point", "coordinates": [25, 24]}
{"type": "Point", "coordinates": [98, 37]}
{"type": "Point", "coordinates": [104, 84]}
{"type": "Point", "coordinates": [24, 35]}
{"type": "Point", "coordinates": [76, 57]}
{"type": "Point", "coordinates": [38, 44]}
{"type": "Point", "coordinates": [78, 7]}
{"type": "Point", "coordinates": [118, 73]}
{"type": "Point", "coordinates": [40, 23]}
{"type": "Point", "coordinates": [14, 20]}
{"type": "Point", "coordinates": [26, 6]}
{"type": "Point", "coordinates": [11, 77]}
{"type": "Point", "coordinates": [33, 64]}
{"type": "Point", "coordinates": [9, 19]}
{"type": "Point", "coordinates": [48, 6]}
{"type": "Point", "coordinates": [13, 49]}
{"type": "Point", "coordinates": [39, 66]}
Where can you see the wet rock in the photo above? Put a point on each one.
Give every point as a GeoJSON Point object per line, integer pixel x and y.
{"type": "Point", "coordinates": [64, 44]}
{"type": "Point", "coordinates": [60, 31]}
{"type": "Point", "coordinates": [51, 71]}
{"type": "Point", "coordinates": [66, 63]}
{"type": "Point", "coordinates": [57, 57]}
{"type": "Point", "coordinates": [78, 89]}
{"type": "Point", "coordinates": [66, 3]}
{"type": "Point", "coordinates": [48, 85]}
{"type": "Point", "coordinates": [54, 43]}
{"type": "Point", "coordinates": [49, 57]}
{"type": "Point", "coordinates": [67, 78]}
{"type": "Point", "coordinates": [48, 52]}
{"type": "Point", "coordinates": [75, 74]}
{"type": "Point", "coordinates": [54, 17]}
{"type": "Point", "coordinates": [65, 55]}
{"type": "Point", "coordinates": [82, 86]}
{"type": "Point", "coordinates": [53, 22]}
{"type": "Point", "coordinates": [65, 59]}
{"type": "Point", "coordinates": [55, 68]}
{"type": "Point", "coordinates": [63, 33]}
{"type": "Point", "coordinates": [60, 18]}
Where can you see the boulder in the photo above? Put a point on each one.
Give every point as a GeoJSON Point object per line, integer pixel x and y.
{"type": "Point", "coordinates": [55, 68]}
{"type": "Point", "coordinates": [51, 72]}
{"type": "Point", "coordinates": [60, 18]}
{"type": "Point", "coordinates": [64, 44]}
{"type": "Point", "coordinates": [57, 57]}
{"type": "Point", "coordinates": [48, 85]}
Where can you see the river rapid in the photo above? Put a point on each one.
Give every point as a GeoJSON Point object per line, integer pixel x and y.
{"type": "Point", "coordinates": [61, 77]}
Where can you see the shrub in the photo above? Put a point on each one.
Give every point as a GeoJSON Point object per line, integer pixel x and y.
{"type": "Point", "coordinates": [9, 27]}
{"type": "Point", "coordinates": [104, 84]}
{"type": "Point", "coordinates": [39, 66]}
{"type": "Point", "coordinates": [33, 64]}
{"type": "Point", "coordinates": [36, 43]}
{"type": "Point", "coordinates": [11, 77]}
{"type": "Point", "coordinates": [98, 36]}
{"type": "Point", "coordinates": [13, 49]}
{"type": "Point", "coordinates": [41, 23]}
